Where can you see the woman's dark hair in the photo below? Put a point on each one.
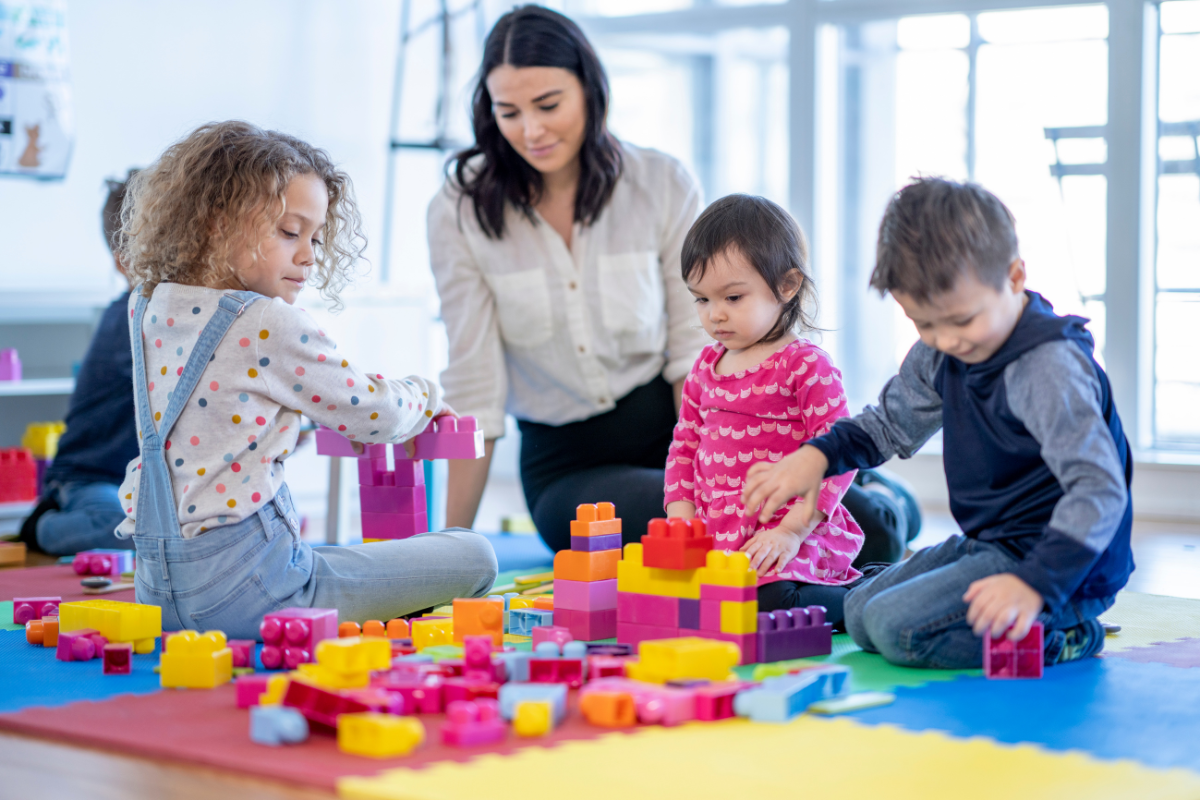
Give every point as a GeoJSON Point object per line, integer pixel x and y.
{"type": "Point", "coordinates": [768, 238]}
{"type": "Point", "coordinates": [532, 36]}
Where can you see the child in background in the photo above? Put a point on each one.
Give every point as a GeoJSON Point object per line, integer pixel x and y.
{"type": "Point", "coordinates": [756, 395]}
{"type": "Point", "coordinates": [221, 235]}
{"type": "Point", "coordinates": [1036, 460]}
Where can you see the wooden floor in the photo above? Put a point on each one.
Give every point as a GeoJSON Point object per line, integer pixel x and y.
{"type": "Point", "coordinates": [1168, 561]}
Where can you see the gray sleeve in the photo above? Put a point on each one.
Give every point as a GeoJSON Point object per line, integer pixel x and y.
{"type": "Point", "coordinates": [909, 409]}
{"type": "Point", "coordinates": [1054, 391]}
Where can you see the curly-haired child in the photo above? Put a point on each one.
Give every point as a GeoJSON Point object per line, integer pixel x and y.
{"type": "Point", "coordinates": [221, 234]}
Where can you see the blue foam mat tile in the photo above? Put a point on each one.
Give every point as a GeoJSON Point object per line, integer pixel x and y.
{"type": "Point", "coordinates": [30, 675]}
{"type": "Point", "coordinates": [520, 551]}
{"type": "Point", "coordinates": [1111, 708]}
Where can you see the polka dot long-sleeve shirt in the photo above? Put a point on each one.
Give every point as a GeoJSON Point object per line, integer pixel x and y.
{"type": "Point", "coordinates": [729, 422]}
{"type": "Point", "coordinates": [226, 451]}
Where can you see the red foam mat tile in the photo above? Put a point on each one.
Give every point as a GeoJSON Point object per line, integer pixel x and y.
{"type": "Point", "coordinates": [59, 579]}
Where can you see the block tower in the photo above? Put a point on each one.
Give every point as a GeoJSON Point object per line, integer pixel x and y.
{"type": "Point", "coordinates": [393, 500]}
{"type": "Point", "coordinates": [585, 577]}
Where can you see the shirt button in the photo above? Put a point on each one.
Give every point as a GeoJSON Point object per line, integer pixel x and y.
{"type": "Point", "coordinates": [582, 349]}
{"type": "Point", "coordinates": [571, 285]}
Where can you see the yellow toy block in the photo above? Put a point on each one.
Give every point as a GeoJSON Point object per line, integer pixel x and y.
{"type": "Point", "coordinates": [479, 617]}
{"type": "Point", "coordinates": [520, 602]}
{"type": "Point", "coordinates": [632, 576]}
{"type": "Point", "coordinates": [41, 438]}
{"type": "Point", "coordinates": [378, 735]}
{"type": "Point", "coordinates": [196, 661]}
{"type": "Point", "coordinates": [326, 678]}
{"type": "Point", "coordinates": [357, 654]}
{"type": "Point", "coordinates": [116, 621]}
{"type": "Point", "coordinates": [276, 689]}
{"type": "Point", "coordinates": [663, 660]}
{"type": "Point", "coordinates": [533, 718]}
{"type": "Point", "coordinates": [595, 520]}
{"type": "Point", "coordinates": [728, 569]}
{"type": "Point", "coordinates": [431, 632]}
{"type": "Point", "coordinates": [739, 617]}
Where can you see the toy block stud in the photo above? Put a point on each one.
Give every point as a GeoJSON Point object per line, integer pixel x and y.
{"type": "Point", "coordinates": [595, 520]}
{"type": "Point", "coordinates": [110, 563]}
{"type": "Point", "coordinates": [578, 565]}
{"type": "Point", "coordinates": [192, 660]}
{"type": "Point", "coordinates": [27, 608]}
{"type": "Point", "coordinates": [676, 543]}
{"type": "Point", "coordinates": [349, 628]}
{"type": "Point", "coordinates": [398, 629]}
{"type": "Point", "coordinates": [276, 725]}
{"type": "Point", "coordinates": [472, 723]}
{"type": "Point", "coordinates": [687, 657]}
{"type": "Point", "coordinates": [533, 718]}
{"type": "Point", "coordinates": [728, 569]}
{"type": "Point", "coordinates": [1004, 658]}
{"type": "Point", "coordinates": [118, 659]}
{"type": "Point", "coordinates": [291, 635]}
{"type": "Point", "coordinates": [608, 709]}
{"type": "Point", "coordinates": [374, 627]}
{"type": "Point", "coordinates": [378, 735]}
{"type": "Point", "coordinates": [479, 617]}
{"type": "Point", "coordinates": [796, 633]}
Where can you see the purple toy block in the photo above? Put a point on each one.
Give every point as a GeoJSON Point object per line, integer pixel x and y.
{"type": "Point", "coordinates": [609, 650]}
{"type": "Point", "coordinates": [748, 642]}
{"type": "Point", "coordinates": [648, 609]}
{"type": "Point", "coordinates": [473, 722]}
{"type": "Point", "coordinates": [27, 608]}
{"type": "Point", "coordinates": [736, 594]}
{"type": "Point", "coordinates": [109, 563]}
{"type": "Point", "coordinates": [585, 595]}
{"type": "Point", "coordinates": [393, 526]}
{"type": "Point", "coordinates": [551, 633]}
{"type": "Point", "coordinates": [10, 364]}
{"type": "Point", "coordinates": [332, 443]}
{"type": "Point", "coordinates": [118, 659]}
{"type": "Point", "coordinates": [249, 687]}
{"type": "Point", "coordinates": [392, 499]}
{"type": "Point", "coordinates": [447, 437]}
{"type": "Point", "coordinates": [1004, 658]}
{"type": "Point", "coordinates": [632, 633]}
{"type": "Point", "coordinates": [243, 652]}
{"type": "Point", "coordinates": [588, 625]}
{"type": "Point", "coordinates": [797, 633]}
{"type": "Point", "coordinates": [710, 615]}
{"type": "Point", "coordinates": [290, 635]}
{"type": "Point", "coordinates": [590, 544]}
{"type": "Point", "coordinates": [81, 645]}
{"type": "Point", "coordinates": [689, 613]}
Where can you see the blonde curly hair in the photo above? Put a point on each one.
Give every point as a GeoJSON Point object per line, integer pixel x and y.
{"type": "Point", "coordinates": [216, 189]}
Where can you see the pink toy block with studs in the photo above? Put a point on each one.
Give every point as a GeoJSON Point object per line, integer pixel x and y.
{"type": "Point", "coordinates": [109, 563]}
{"type": "Point", "coordinates": [558, 634]}
{"type": "Point", "coordinates": [448, 437]}
{"type": "Point", "coordinates": [470, 723]}
{"type": "Point", "coordinates": [80, 645]}
{"type": "Point", "coordinates": [290, 636]}
{"type": "Point", "coordinates": [27, 608]}
{"type": "Point", "coordinates": [243, 652]}
{"type": "Point", "coordinates": [424, 695]}
{"type": "Point", "coordinates": [1004, 658]}
{"type": "Point", "coordinates": [332, 443]}
{"type": "Point", "coordinates": [118, 659]}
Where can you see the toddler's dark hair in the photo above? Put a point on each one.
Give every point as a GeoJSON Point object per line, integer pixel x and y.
{"type": "Point", "coordinates": [934, 230]}
{"type": "Point", "coordinates": [110, 215]}
{"type": "Point", "coordinates": [768, 238]}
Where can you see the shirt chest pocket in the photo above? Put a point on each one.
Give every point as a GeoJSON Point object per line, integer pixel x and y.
{"type": "Point", "coordinates": [523, 307]}
{"type": "Point", "coordinates": [631, 293]}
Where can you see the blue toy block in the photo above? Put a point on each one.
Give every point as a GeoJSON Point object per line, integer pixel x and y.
{"type": "Point", "coordinates": [506, 598]}
{"type": "Point", "coordinates": [781, 698]}
{"type": "Point", "coordinates": [276, 725]}
{"type": "Point", "coordinates": [513, 693]}
{"type": "Point", "coordinates": [516, 663]}
{"type": "Point", "coordinates": [522, 621]}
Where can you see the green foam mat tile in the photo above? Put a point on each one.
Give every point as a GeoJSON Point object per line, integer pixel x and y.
{"type": "Point", "coordinates": [6, 612]}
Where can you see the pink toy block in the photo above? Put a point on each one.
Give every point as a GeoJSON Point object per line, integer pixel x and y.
{"type": "Point", "coordinates": [472, 723]}
{"type": "Point", "coordinates": [676, 543]}
{"type": "Point", "coordinates": [249, 688]}
{"type": "Point", "coordinates": [648, 609]}
{"type": "Point", "coordinates": [654, 704]}
{"type": "Point", "coordinates": [408, 473]}
{"type": "Point", "coordinates": [332, 443]}
{"type": "Point", "coordinates": [558, 634]}
{"type": "Point", "coordinates": [606, 667]}
{"type": "Point", "coordinates": [447, 437]}
{"type": "Point", "coordinates": [478, 663]}
{"type": "Point", "coordinates": [421, 696]}
{"type": "Point", "coordinates": [590, 544]}
{"type": "Point", "coordinates": [556, 670]}
{"type": "Point", "coordinates": [320, 705]}
{"type": "Point", "coordinates": [243, 652]}
{"type": "Point", "coordinates": [1004, 658]}
{"type": "Point", "coordinates": [464, 688]}
{"type": "Point", "coordinates": [392, 499]}
{"type": "Point", "coordinates": [634, 633]}
{"type": "Point", "coordinates": [585, 595]}
{"type": "Point", "coordinates": [109, 563]}
{"type": "Point", "coordinates": [377, 700]}
{"type": "Point", "coordinates": [27, 608]}
{"type": "Point", "coordinates": [10, 364]}
{"type": "Point", "coordinates": [710, 615]}
{"type": "Point", "coordinates": [734, 594]}
{"type": "Point", "coordinates": [290, 635]}
{"type": "Point", "coordinates": [18, 475]}
{"type": "Point", "coordinates": [118, 659]}
{"type": "Point", "coordinates": [797, 633]}
{"type": "Point", "coordinates": [588, 626]}
{"type": "Point", "coordinates": [393, 526]}
{"type": "Point", "coordinates": [80, 645]}
{"type": "Point", "coordinates": [715, 701]}
{"type": "Point", "coordinates": [747, 642]}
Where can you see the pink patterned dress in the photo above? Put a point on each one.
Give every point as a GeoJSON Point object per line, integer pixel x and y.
{"type": "Point", "coordinates": [729, 422]}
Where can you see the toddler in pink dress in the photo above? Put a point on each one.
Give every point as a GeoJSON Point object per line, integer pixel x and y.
{"type": "Point", "coordinates": [757, 394]}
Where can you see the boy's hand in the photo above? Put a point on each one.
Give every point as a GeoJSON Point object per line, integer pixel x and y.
{"type": "Point", "coordinates": [771, 550]}
{"type": "Point", "coordinates": [772, 485]}
{"type": "Point", "coordinates": [682, 509]}
{"type": "Point", "coordinates": [1002, 602]}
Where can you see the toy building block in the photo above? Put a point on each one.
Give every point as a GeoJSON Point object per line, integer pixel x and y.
{"type": "Point", "coordinates": [27, 608]}
{"type": "Point", "coordinates": [633, 576]}
{"type": "Point", "coordinates": [393, 526]}
{"type": "Point", "coordinates": [549, 666]}
{"type": "Point", "coordinates": [653, 704]}
{"type": "Point", "coordinates": [851, 702]}
{"type": "Point", "coordinates": [676, 543]}
{"type": "Point", "coordinates": [533, 718]}
{"type": "Point", "coordinates": [746, 642]}
{"type": "Point", "coordinates": [557, 634]}
{"type": "Point", "coordinates": [291, 635]}
{"type": "Point", "coordinates": [585, 595]}
{"type": "Point", "coordinates": [34, 630]}
{"type": "Point", "coordinates": [192, 660]}
{"type": "Point", "coordinates": [18, 476]}
{"type": "Point", "coordinates": [346, 663]}
{"type": "Point", "coordinates": [577, 565]}
{"type": "Point", "coordinates": [588, 544]}
{"type": "Point", "coordinates": [648, 609]}
{"type": "Point", "coordinates": [12, 553]}
{"type": "Point", "coordinates": [448, 437]}
{"type": "Point", "coordinates": [378, 735]}
{"type": "Point", "coordinates": [632, 633]}
{"type": "Point", "coordinates": [277, 686]}
{"type": "Point", "coordinates": [478, 661]}
{"type": "Point", "coordinates": [689, 613]}
{"type": "Point", "coordinates": [734, 594]}
{"type": "Point", "coordinates": [80, 645]}
{"type": "Point", "coordinates": [544, 602]}
{"type": "Point", "coordinates": [608, 709]}
{"type": "Point", "coordinates": [398, 629]}
{"type": "Point", "coordinates": [374, 628]}
{"type": "Point", "coordinates": [465, 688]}
{"type": "Point", "coordinates": [522, 621]}
{"type": "Point", "coordinates": [136, 623]}
{"type": "Point", "coordinates": [41, 439]}
{"type": "Point", "coordinates": [250, 688]}
{"type": "Point", "coordinates": [739, 617]}
{"type": "Point", "coordinates": [332, 443]}
{"type": "Point", "coordinates": [118, 659]}
{"type": "Point", "coordinates": [687, 657]}
{"type": "Point", "coordinates": [424, 694]}
{"type": "Point", "coordinates": [609, 649]}
{"type": "Point", "coordinates": [10, 364]}
{"type": "Point", "coordinates": [109, 563]}
{"type": "Point", "coordinates": [276, 725]}
{"type": "Point", "coordinates": [516, 664]}
{"type": "Point", "coordinates": [588, 625]}
{"type": "Point", "coordinates": [243, 653]}
{"type": "Point", "coordinates": [781, 698]}
{"type": "Point", "coordinates": [599, 519]}
{"type": "Point", "coordinates": [797, 633]}
{"type": "Point", "coordinates": [50, 628]}
{"type": "Point", "coordinates": [349, 628]}
{"type": "Point", "coordinates": [728, 569]}
{"type": "Point", "coordinates": [513, 694]}
{"type": "Point", "coordinates": [472, 723]}
{"type": "Point", "coordinates": [431, 631]}
{"type": "Point", "coordinates": [318, 705]}
{"type": "Point", "coordinates": [479, 617]}
{"type": "Point", "coordinates": [392, 499]}
{"type": "Point", "coordinates": [715, 701]}
{"type": "Point", "coordinates": [1004, 658]}
{"type": "Point", "coordinates": [606, 666]}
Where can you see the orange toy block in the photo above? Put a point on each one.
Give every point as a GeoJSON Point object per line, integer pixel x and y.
{"type": "Point", "coordinates": [546, 603]}
{"type": "Point", "coordinates": [349, 628]}
{"type": "Point", "coordinates": [595, 520]}
{"type": "Point", "coordinates": [479, 617]}
{"type": "Point", "coordinates": [577, 565]}
{"type": "Point", "coordinates": [609, 709]}
{"type": "Point", "coordinates": [397, 629]}
{"type": "Point", "coordinates": [49, 631]}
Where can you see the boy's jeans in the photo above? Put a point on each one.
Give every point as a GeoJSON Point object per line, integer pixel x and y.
{"type": "Point", "coordinates": [87, 516]}
{"type": "Point", "coordinates": [913, 613]}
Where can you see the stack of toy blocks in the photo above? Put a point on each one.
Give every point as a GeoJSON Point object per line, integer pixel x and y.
{"type": "Point", "coordinates": [117, 622]}
{"type": "Point", "coordinates": [585, 577]}
{"type": "Point", "coordinates": [18, 475]}
{"type": "Point", "coordinates": [1004, 658]}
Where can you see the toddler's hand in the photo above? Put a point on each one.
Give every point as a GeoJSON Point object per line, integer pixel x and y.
{"type": "Point", "coordinates": [772, 485]}
{"type": "Point", "coordinates": [1000, 601]}
{"type": "Point", "coordinates": [771, 550]}
{"type": "Point", "coordinates": [682, 509]}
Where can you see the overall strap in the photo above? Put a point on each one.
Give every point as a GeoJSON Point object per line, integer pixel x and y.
{"type": "Point", "coordinates": [156, 513]}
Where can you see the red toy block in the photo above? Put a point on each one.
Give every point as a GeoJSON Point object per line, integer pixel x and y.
{"type": "Point", "coordinates": [393, 526]}
{"type": "Point", "coordinates": [332, 443]}
{"type": "Point", "coordinates": [588, 626]}
{"type": "Point", "coordinates": [599, 519]}
{"type": "Point", "coordinates": [585, 595]}
{"type": "Point", "coordinates": [118, 659]}
{"type": "Point", "coordinates": [590, 544]}
{"type": "Point", "coordinates": [747, 642]}
{"type": "Point", "coordinates": [710, 615]}
{"type": "Point", "coordinates": [556, 670]}
{"type": "Point", "coordinates": [633, 633]}
{"type": "Point", "coordinates": [648, 609]}
{"type": "Point", "coordinates": [676, 543]}
{"type": "Point", "coordinates": [243, 652]}
{"type": "Point", "coordinates": [18, 475]}
{"type": "Point", "coordinates": [408, 500]}
{"type": "Point", "coordinates": [733, 594]}
{"type": "Point", "coordinates": [79, 645]}
{"type": "Point", "coordinates": [320, 705]}
{"type": "Point", "coordinates": [715, 701]}
{"type": "Point", "coordinates": [448, 437]}
{"type": "Point", "coordinates": [290, 636]}
{"type": "Point", "coordinates": [472, 723]}
{"type": "Point", "coordinates": [605, 667]}
{"type": "Point", "coordinates": [558, 634]}
{"type": "Point", "coordinates": [1004, 658]}
{"type": "Point", "coordinates": [479, 617]}
{"type": "Point", "coordinates": [464, 688]}
{"type": "Point", "coordinates": [27, 608]}
{"type": "Point", "coordinates": [797, 633]}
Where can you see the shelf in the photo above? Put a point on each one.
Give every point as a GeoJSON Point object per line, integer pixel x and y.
{"type": "Point", "coordinates": [37, 387]}
{"type": "Point", "coordinates": [15, 510]}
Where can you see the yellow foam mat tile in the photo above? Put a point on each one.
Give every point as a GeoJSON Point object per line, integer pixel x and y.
{"type": "Point", "coordinates": [809, 757]}
{"type": "Point", "coordinates": [1149, 618]}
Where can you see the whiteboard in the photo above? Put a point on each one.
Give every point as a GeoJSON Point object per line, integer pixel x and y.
{"type": "Point", "coordinates": [36, 125]}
